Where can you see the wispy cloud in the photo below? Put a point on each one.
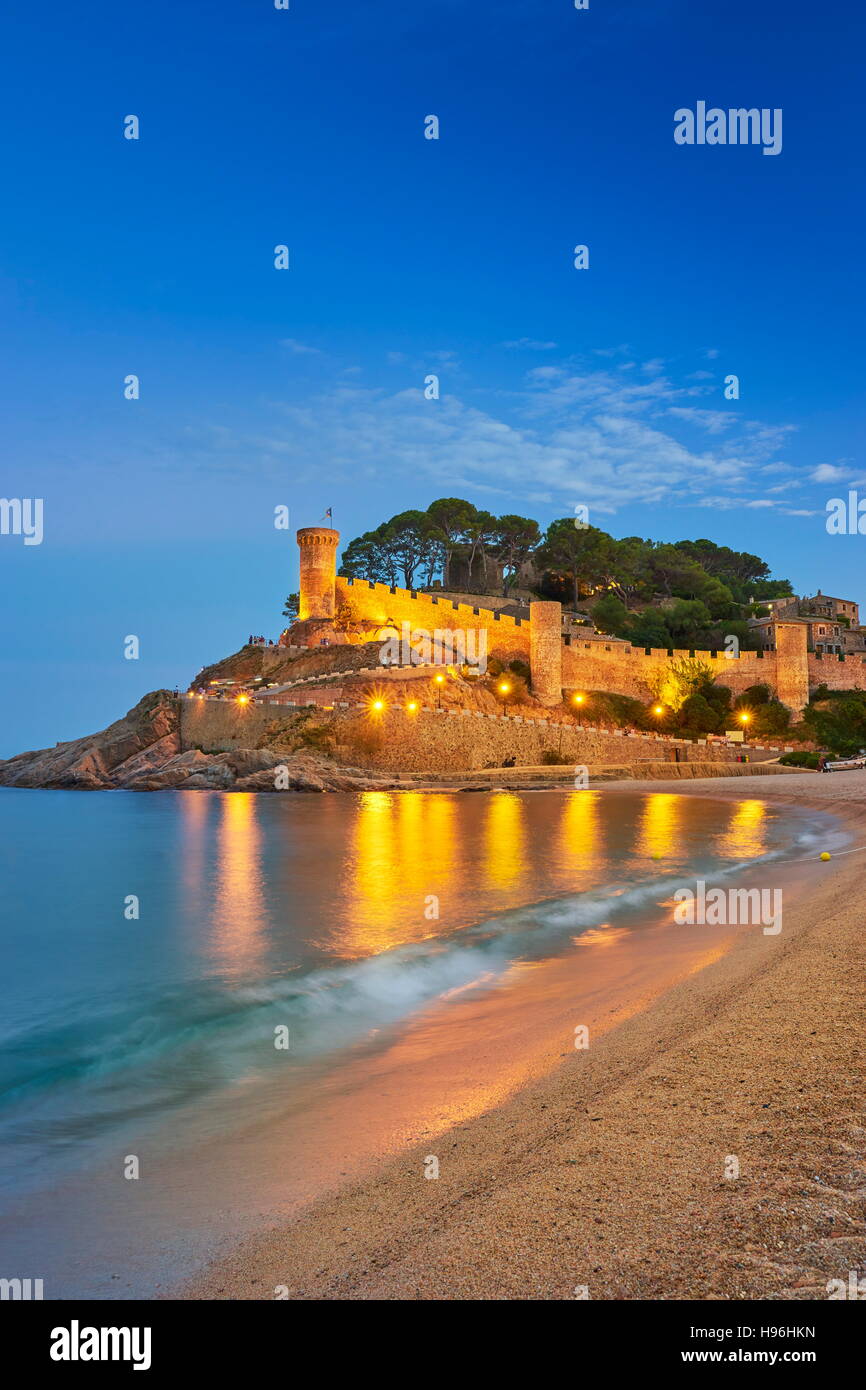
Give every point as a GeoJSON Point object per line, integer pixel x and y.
{"type": "Point", "coordinates": [562, 435]}
{"type": "Point", "coordinates": [530, 345]}
{"type": "Point", "coordinates": [302, 349]}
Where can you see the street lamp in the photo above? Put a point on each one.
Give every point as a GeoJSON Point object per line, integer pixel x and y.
{"type": "Point", "coordinates": [411, 707]}
{"type": "Point", "coordinates": [578, 700]}
{"type": "Point", "coordinates": [440, 681]}
{"type": "Point", "coordinates": [744, 719]}
{"type": "Point", "coordinates": [503, 688]}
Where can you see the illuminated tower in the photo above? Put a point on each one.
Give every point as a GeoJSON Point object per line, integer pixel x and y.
{"type": "Point", "coordinates": [318, 546]}
{"type": "Point", "coordinates": [545, 655]}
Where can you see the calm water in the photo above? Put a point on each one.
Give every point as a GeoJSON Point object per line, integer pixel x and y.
{"type": "Point", "coordinates": [338, 917]}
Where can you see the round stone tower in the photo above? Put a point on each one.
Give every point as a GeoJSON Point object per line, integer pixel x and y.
{"type": "Point", "coordinates": [318, 545]}
{"type": "Point", "coordinates": [545, 651]}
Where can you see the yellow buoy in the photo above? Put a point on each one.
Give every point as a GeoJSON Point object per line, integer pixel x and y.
{"type": "Point", "coordinates": [825, 855]}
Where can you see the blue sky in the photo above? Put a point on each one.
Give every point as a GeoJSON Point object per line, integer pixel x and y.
{"type": "Point", "coordinates": [408, 256]}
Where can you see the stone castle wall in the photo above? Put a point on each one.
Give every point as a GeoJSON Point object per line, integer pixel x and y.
{"type": "Point", "coordinates": [847, 674]}
{"type": "Point", "coordinates": [458, 741]}
{"type": "Point", "coordinates": [379, 604]}
{"type": "Point", "coordinates": [560, 662]}
{"type": "Point", "coordinates": [587, 664]}
{"type": "Point", "coordinates": [623, 670]}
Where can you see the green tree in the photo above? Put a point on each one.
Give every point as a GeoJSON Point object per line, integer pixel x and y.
{"type": "Point", "coordinates": [480, 532]}
{"type": "Point", "coordinates": [370, 557]}
{"type": "Point", "coordinates": [697, 714]}
{"type": "Point", "coordinates": [679, 678]}
{"type": "Point", "coordinates": [648, 629]}
{"type": "Point", "coordinates": [451, 518]}
{"type": "Point", "coordinates": [408, 537]}
{"type": "Point", "coordinates": [839, 723]}
{"type": "Point", "coordinates": [514, 539]}
{"type": "Point", "coordinates": [689, 622]}
{"type": "Point", "coordinates": [585, 552]}
{"type": "Point", "coordinates": [610, 615]}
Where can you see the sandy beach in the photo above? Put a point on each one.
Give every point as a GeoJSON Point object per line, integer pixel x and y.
{"type": "Point", "coordinates": [607, 1177]}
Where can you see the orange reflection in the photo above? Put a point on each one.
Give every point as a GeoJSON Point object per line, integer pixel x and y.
{"type": "Point", "coordinates": [194, 812]}
{"type": "Point", "coordinates": [659, 833]}
{"type": "Point", "coordinates": [373, 877]}
{"type": "Point", "coordinates": [403, 852]}
{"type": "Point", "coordinates": [744, 837]}
{"type": "Point", "coordinates": [239, 912]}
{"type": "Point", "coordinates": [579, 833]}
{"type": "Point", "coordinates": [504, 840]}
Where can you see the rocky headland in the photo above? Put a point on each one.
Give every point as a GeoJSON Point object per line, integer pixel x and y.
{"type": "Point", "coordinates": [142, 752]}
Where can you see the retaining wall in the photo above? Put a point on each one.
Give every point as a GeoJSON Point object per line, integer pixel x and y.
{"type": "Point", "coordinates": [461, 741]}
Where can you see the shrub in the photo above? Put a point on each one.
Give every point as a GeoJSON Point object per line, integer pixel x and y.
{"type": "Point", "coordinates": [518, 690]}
{"type": "Point", "coordinates": [681, 677]}
{"type": "Point", "coordinates": [698, 714]}
{"type": "Point", "coordinates": [753, 696]}
{"type": "Point", "coordinates": [800, 759]}
{"type": "Point", "coordinates": [840, 722]}
{"type": "Point", "coordinates": [600, 707]}
{"type": "Point", "coordinates": [550, 758]}
{"type": "Point", "coordinates": [771, 718]}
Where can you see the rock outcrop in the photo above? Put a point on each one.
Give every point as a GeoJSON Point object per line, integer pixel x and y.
{"type": "Point", "coordinates": [147, 736]}
{"type": "Point", "coordinates": [142, 752]}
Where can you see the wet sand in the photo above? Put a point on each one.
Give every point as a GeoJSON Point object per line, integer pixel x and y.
{"type": "Point", "coordinates": [609, 1173]}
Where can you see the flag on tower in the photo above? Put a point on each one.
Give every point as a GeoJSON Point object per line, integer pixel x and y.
{"type": "Point", "coordinates": [329, 515]}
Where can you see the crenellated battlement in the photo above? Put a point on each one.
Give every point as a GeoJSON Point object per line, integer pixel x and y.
{"type": "Point", "coordinates": [561, 660]}
{"type": "Point", "coordinates": [442, 609]}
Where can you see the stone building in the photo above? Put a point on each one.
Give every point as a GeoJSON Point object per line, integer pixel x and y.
{"type": "Point", "coordinates": [832, 624]}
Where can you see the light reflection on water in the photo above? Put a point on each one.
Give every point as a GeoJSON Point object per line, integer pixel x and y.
{"type": "Point", "coordinates": [394, 868]}
{"type": "Point", "coordinates": [315, 912]}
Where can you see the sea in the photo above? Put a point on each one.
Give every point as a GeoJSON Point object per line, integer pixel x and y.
{"type": "Point", "coordinates": [218, 1006]}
